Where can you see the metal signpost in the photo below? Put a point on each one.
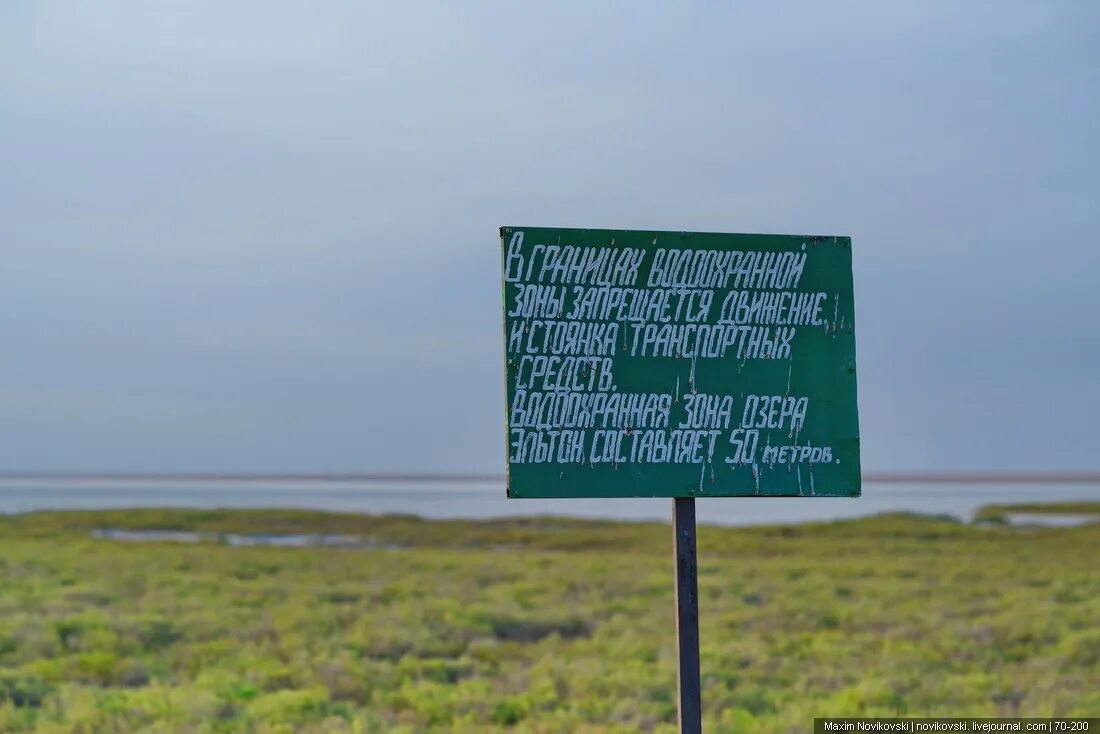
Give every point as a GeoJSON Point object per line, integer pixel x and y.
{"type": "Point", "coordinates": [683, 365]}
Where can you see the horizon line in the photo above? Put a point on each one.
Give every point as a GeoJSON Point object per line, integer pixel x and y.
{"type": "Point", "coordinates": [900, 477]}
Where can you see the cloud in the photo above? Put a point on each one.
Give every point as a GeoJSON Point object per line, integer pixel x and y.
{"type": "Point", "coordinates": [288, 214]}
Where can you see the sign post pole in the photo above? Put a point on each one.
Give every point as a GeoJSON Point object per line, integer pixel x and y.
{"type": "Point", "coordinates": [679, 365]}
{"type": "Point", "coordinates": [689, 700]}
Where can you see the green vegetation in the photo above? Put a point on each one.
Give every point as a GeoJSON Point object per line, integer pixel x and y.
{"type": "Point", "coordinates": [537, 625]}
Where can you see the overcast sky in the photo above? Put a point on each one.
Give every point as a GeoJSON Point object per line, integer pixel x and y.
{"type": "Point", "coordinates": [263, 236]}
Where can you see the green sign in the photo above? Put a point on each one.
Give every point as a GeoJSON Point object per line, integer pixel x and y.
{"type": "Point", "coordinates": [679, 364]}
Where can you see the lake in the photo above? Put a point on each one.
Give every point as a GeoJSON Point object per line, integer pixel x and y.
{"type": "Point", "coordinates": [482, 499]}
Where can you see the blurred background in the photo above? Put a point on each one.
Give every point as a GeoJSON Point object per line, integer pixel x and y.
{"type": "Point", "coordinates": [249, 260]}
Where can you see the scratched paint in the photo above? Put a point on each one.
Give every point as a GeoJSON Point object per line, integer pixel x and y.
{"type": "Point", "coordinates": [645, 364]}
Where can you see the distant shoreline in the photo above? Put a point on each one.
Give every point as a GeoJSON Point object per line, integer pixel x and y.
{"type": "Point", "coordinates": [916, 477]}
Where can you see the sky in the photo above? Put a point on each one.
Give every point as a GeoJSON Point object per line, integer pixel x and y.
{"type": "Point", "coordinates": [262, 236]}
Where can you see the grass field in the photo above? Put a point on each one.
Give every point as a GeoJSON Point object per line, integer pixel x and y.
{"type": "Point", "coordinates": [535, 625]}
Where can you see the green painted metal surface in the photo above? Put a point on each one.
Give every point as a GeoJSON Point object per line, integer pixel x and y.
{"type": "Point", "coordinates": [679, 364]}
